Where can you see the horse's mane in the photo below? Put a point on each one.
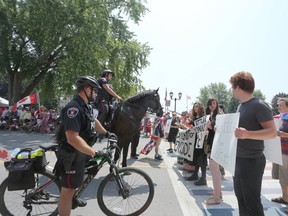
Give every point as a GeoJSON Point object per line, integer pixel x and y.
{"type": "Point", "coordinates": [139, 96]}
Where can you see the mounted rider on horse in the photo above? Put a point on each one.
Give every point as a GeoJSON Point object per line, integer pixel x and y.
{"type": "Point", "coordinates": [104, 100]}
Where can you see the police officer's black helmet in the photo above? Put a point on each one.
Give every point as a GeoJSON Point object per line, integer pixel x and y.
{"type": "Point", "coordinates": [83, 81]}
{"type": "Point", "coordinates": [107, 71]}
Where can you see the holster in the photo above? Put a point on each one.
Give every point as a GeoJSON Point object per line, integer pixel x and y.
{"type": "Point", "coordinates": [67, 158]}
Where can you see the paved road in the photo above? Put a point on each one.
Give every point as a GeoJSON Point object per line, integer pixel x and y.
{"type": "Point", "coordinates": [165, 200]}
{"type": "Point", "coordinates": [173, 195]}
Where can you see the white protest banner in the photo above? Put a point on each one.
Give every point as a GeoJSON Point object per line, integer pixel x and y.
{"type": "Point", "coordinates": [272, 150]}
{"type": "Point", "coordinates": [185, 142]}
{"type": "Point", "coordinates": [225, 143]}
{"type": "Point", "coordinates": [167, 125]}
{"type": "Point", "coordinates": [200, 125]}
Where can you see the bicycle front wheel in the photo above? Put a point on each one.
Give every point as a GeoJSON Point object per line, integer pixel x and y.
{"type": "Point", "coordinates": [137, 186]}
{"type": "Point", "coordinates": [40, 200]}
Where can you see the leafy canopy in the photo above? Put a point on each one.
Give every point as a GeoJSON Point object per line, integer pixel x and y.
{"type": "Point", "coordinates": [46, 44]}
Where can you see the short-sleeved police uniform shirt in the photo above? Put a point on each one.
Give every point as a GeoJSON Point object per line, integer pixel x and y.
{"type": "Point", "coordinates": [74, 117]}
{"type": "Point", "coordinates": [102, 92]}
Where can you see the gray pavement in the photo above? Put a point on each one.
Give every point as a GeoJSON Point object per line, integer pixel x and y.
{"type": "Point", "coordinates": [173, 195]}
{"type": "Point", "coordinates": [191, 197]}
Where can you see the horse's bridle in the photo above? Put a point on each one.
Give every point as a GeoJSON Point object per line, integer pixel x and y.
{"type": "Point", "coordinates": [130, 115]}
{"type": "Point", "coordinates": [155, 98]}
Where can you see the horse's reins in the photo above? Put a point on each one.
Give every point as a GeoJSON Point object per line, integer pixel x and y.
{"type": "Point", "coordinates": [131, 116]}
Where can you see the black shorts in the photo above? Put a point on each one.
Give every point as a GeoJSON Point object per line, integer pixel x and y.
{"type": "Point", "coordinates": [172, 137]}
{"type": "Point", "coordinates": [73, 178]}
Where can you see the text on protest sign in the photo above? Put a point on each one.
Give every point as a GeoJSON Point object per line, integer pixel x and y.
{"type": "Point", "coordinates": [185, 142]}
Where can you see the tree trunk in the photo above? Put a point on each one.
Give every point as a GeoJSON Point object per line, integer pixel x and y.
{"type": "Point", "coordinates": [14, 90]}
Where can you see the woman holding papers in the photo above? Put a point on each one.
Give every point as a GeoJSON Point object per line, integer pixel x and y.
{"type": "Point", "coordinates": [213, 109]}
{"type": "Point", "coordinates": [199, 156]}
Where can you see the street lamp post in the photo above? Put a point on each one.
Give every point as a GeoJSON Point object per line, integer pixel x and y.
{"type": "Point", "coordinates": [175, 99]}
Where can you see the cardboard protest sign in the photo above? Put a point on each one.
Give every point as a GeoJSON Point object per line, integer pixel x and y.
{"type": "Point", "coordinates": [185, 143]}
{"type": "Point", "coordinates": [225, 143]}
{"type": "Point", "coordinates": [272, 150]}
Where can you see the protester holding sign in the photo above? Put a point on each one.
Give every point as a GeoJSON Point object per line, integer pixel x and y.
{"type": "Point", "coordinates": [213, 109]}
{"type": "Point", "coordinates": [199, 157]}
{"type": "Point", "coordinates": [255, 125]}
{"type": "Point", "coordinates": [283, 169]}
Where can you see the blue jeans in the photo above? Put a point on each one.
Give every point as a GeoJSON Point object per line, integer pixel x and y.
{"type": "Point", "coordinates": [247, 185]}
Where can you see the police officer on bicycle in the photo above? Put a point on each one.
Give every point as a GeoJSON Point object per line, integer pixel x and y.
{"type": "Point", "coordinates": [105, 95]}
{"type": "Point", "coordinates": [76, 136]}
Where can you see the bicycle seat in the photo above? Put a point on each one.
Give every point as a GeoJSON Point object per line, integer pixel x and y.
{"type": "Point", "coordinates": [49, 147]}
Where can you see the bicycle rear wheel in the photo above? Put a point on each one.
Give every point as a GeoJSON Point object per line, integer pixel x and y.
{"type": "Point", "coordinates": [41, 200]}
{"type": "Point", "coordinates": [137, 185]}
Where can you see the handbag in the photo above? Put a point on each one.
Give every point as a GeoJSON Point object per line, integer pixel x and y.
{"type": "Point", "coordinates": [21, 173]}
{"type": "Point", "coordinates": [206, 146]}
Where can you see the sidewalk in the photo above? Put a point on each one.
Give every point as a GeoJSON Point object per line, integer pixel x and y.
{"type": "Point", "coordinates": [191, 196]}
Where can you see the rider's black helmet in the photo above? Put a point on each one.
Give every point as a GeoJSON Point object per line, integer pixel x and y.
{"type": "Point", "coordinates": [107, 71]}
{"type": "Point", "coordinates": [83, 81]}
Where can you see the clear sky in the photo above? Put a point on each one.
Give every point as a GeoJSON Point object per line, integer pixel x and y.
{"type": "Point", "coordinates": [199, 42]}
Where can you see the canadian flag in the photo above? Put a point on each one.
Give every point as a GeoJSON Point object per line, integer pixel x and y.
{"type": "Point", "coordinates": [188, 97]}
{"type": "Point", "coordinates": [31, 99]}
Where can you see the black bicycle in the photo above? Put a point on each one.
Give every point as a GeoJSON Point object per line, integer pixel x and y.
{"type": "Point", "coordinates": [124, 191]}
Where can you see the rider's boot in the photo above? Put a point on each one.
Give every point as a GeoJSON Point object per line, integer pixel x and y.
{"type": "Point", "coordinates": [101, 118]}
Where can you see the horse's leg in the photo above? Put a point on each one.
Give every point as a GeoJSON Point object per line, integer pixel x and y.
{"type": "Point", "coordinates": [117, 154]}
{"type": "Point", "coordinates": [125, 154]}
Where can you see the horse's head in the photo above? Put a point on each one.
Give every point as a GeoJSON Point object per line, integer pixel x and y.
{"type": "Point", "coordinates": [149, 100]}
{"type": "Point", "coordinates": [155, 104]}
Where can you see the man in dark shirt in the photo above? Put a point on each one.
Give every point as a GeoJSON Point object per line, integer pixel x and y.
{"type": "Point", "coordinates": [255, 125]}
{"type": "Point", "coordinates": [76, 137]}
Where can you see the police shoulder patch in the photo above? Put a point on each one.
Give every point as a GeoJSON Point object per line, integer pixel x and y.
{"type": "Point", "coordinates": [72, 112]}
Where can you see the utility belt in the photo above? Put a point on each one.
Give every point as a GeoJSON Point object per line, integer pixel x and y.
{"type": "Point", "coordinates": [66, 155]}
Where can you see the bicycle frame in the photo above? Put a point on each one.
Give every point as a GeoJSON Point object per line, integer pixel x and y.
{"type": "Point", "coordinates": [90, 177]}
{"type": "Point", "coordinates": [120, 185]}
{"type": "Point", "coordinates": [40, 189]}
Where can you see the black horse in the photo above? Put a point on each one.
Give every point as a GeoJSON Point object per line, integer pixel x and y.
{"type": "Point", "coordinates": [127, 118]}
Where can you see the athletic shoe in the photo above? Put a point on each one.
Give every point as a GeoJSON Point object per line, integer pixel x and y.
{"type": "Point", "coordinates": [158, 157]}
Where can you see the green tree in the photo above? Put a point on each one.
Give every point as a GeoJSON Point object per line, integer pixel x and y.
{"type": "Point", "coordinates": [224, 96]}
{"type": "Point", "coordinates": [216, 90]}
{"type": "Point", "coordinates": [258, 94]}
{"type": "Point", "coordinates": [232, 105]}
{"type": "Point", "coordinates": [274, 102]}
{"type": "Point", "coordinates": [46, 44]}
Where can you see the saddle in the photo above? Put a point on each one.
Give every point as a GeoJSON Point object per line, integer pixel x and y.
{"type": "Point", "coordinates": [110, 115]}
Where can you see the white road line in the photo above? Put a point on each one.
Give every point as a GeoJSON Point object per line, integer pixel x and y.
{"type": "Point", "coordinates": [187, 202]}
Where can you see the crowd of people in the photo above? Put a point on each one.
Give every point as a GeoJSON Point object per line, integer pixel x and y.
{"type": "Point", "coordinates": [26, 118]}
{"type": "Point", "coordinates": [256, 124]}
